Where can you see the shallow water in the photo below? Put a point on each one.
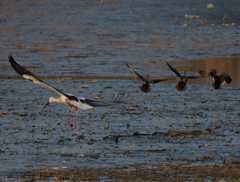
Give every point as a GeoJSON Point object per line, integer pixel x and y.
{"type": "Point", "coordinates": [72, 43]}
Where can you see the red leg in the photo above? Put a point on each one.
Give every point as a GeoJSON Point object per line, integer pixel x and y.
{"type": "Point", "coordinates": [68, 122]}
{"type": "Point", "coordinates": [76, 120]}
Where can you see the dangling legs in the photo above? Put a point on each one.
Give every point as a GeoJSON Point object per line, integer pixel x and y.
{"type": "Point", "coordinates": [68, 122]}
{"type": "Point", "coordinates": [76, 120]}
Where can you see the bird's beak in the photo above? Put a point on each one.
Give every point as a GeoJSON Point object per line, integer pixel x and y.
{"type": "Point", "coordinates": [46, 105]}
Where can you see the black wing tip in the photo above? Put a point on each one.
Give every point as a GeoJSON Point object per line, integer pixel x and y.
{"type": "Point", "coordinates": [169, 65]}
{"type": "Point", "coordinates": [211, 74]}
{"type": "Point", "coordinates": [193, 77]}
{"type": "Point", "coordinates": [11, 59]}
{"type": "Point", "coordinates": [174, 70]}
{"type": "Point", "coordinates": [127, 65]}
{"type": "Point", "coordinates": [227, 78]}
{"type": "Point", "coordinates": [130, 68]}
{"type": "Point", "coordinates": [161, 80]}
{"type": "Point", "coordinates": [20, 70]}
{"type": "Point", "coordinates": [95, 103]}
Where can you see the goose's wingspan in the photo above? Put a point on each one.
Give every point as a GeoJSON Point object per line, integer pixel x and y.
{"type": "Point", "coordinates": [174, 70]}
{"type": "Point", "coordinates": [30, 76]}
{"type": "Point", "coordinates": [160, 80]}
{"type": "Point", "coordinates": [193, 77]}
{"type": "Point", "coordinates": [226, 77]}
{"type": "Point", "coordinates": [140, 76]}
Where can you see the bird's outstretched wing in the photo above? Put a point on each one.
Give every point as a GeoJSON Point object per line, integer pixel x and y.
{"type": "Point", "coordinates": [213, 73]}
{"type": "Point", "coordinates": [30, 76]}
{"type": "Point", "coordinates": [193, 77]}
{"type": "Point", "coordinates": [174, 70]}
{"type": "Point", "coordinates": [85, 104]}
{"type": "Point", "coordinates": [226, 77]}
{"type": "Point", "coordinates": [160, 80]}
{"type": "Point", "coordinates": [140, 76]}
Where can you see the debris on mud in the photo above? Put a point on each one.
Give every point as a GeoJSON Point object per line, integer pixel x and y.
{"type": "Point", "coordinates": [84, 86]}
{"type": "Point", "coordinates": [168, 171]}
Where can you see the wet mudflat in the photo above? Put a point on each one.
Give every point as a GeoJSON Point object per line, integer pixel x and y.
{"type": "Point", "coordinates": [160, 135]}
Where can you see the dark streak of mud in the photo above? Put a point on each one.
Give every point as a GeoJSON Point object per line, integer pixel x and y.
{"type": "Point", "coordinates": [172, 133]}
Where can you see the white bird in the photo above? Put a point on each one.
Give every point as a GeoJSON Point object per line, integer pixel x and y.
{"type": "Point", "coordinates": [65, 98]}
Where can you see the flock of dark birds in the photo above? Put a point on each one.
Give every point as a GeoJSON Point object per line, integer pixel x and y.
{"type": "Point", "coordinates": [85, 104]}
{"type": "Point", "coordinates": [218, 81]}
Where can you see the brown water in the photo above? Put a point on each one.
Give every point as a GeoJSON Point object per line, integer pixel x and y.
{"type": "Point", "coordinates": [73, 43]}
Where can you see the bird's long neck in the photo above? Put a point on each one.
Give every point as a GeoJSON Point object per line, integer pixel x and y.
{"type": "Point", "coordinates": [51, 99]}
{"type": "Point", "coordinates": [61, 99]}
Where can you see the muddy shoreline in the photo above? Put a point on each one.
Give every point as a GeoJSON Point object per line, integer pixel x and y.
{"type": "Point", "coordinates": [228, 171]}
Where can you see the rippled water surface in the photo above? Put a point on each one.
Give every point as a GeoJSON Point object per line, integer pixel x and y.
{"type": "Point", "coordinates": [73, 43]}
